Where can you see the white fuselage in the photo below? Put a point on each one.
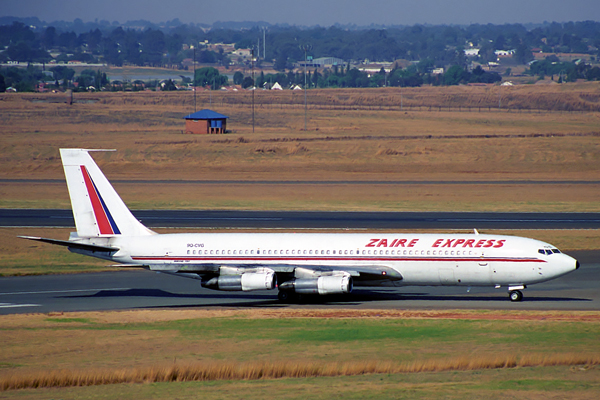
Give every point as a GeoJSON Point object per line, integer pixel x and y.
{"type": "Point", "coordinates": [420, 259]}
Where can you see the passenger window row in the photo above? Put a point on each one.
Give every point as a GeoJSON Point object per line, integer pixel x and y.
{"type": "Point", "coordinates": [342, 252]}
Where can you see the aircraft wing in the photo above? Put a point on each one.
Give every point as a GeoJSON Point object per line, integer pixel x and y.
{"type": "Point", "coordinates": [359, 273]}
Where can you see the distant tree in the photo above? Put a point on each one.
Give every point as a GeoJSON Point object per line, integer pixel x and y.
{"type": "Point", "coordinates": [86, 79]}
{"type": "Point", "coordinates": [49, 37]}
{"type": "Point", "coordinates": [2, 84]}
{"type": "Point", "coordinates": [315, 78]}
{"type": "Point", "coordinates": [480, 76]}
{"type": "Point", "coordinates": [61, 72]}
{"type": "Point", "coordinates": [523, 54]}
{"type": "Point", "coordinates": [100, 80]}
{"type": "Point", "coordinates": [260, 81]}
{"type": "Point", "coordinates": [280, 63]}
{"type": "Point", "coordinates": [67, 40]}
{"type": "Point", "coordinates": [168, 85]}
{"type": "Point", "coordinates": [209, 76]}
{"type": "Point", "coordinates": [238, 78]}
{"type": "Point", "coordinates": [247, 82]}
{"type": "Point", "coordinates": [356, 78]}
{"type": "Point", "coordinates": [22, 51]}
{"type": "Point", "coordinates": [454, 75]}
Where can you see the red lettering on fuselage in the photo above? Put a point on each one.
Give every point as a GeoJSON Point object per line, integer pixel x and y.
{"type": "Point", "coordinates": [448, 243]}
{"type": "Point", "coordinates": [372, 242]}
{"type": "Point", "coordinates": [486, 243]}
{"type": "Point", "coordinates": [458, 241]}
{"type": "Point", "coordinates": [499, 243]}
{"type": "Point", "coordinates": [401, 243]}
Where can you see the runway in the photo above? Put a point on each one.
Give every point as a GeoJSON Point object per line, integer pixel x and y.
{"type": "Point", "coordinates": [322, 220]}
{"type": "Point", "coordinates": [140, 289]}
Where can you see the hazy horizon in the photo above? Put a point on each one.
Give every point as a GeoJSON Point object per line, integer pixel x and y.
{"type": "Point", "coordinates": [311, 12]}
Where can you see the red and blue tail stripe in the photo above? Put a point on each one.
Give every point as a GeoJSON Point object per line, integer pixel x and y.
{"type": "Point", "coordinates": [104, 219]}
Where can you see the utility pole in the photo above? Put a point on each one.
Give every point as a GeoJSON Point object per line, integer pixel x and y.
{"type": "Point", "coordinates": [253, 84]}
{"type": "Point", "coordinates": [194, 79]}
{"type": "Point", "coordinates": [306, 48]}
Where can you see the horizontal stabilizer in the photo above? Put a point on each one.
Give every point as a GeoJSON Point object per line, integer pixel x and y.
{"type": "Point", "coordinates": [71, 244]}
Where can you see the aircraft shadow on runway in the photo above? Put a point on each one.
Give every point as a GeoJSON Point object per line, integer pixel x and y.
{"type": "Point", "coordinates": [355, 298]}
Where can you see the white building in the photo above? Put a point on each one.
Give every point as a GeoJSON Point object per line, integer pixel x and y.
{"type": "Point", "coordinates": [472, 52]}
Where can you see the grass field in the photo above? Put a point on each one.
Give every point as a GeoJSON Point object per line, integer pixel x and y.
{"type": "Point", "coordinates": [542, 133]}
{"type": "Point", "coordinates": [476, 351]}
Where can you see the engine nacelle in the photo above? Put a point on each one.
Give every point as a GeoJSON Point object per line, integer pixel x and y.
{"type": "Point", "coordinates": [329, 284]}
{"type": "Point", "coordinates": [255, 279]}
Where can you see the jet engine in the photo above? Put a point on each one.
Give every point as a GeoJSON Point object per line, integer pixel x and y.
{"type": "Point", "coordinates": [334, 283]}
{"type": "Point", "coordinates": [246, 280]}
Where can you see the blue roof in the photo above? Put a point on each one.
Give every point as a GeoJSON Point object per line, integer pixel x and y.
{"type": "Point", "coordinates": [206, 114]}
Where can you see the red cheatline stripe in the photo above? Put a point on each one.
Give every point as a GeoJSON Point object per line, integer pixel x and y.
{"type": "Point", "coordinates": [101, 218]}
{"type": "Point", "coordinates": [353, 259]}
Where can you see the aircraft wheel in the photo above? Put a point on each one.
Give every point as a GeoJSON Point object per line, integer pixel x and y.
{"type": "Point", "coordinates": [285, 296]}
{"type": "Point", "coordinates": [516, 295]}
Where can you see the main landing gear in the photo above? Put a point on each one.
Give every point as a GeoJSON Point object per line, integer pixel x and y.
{"type": "Point", "coordinates": [289, 297]}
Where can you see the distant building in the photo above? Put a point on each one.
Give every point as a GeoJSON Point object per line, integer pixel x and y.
{"type": "Point", "coordinates": [205, 122]}
{"type": "Point", "coordinates": [323, 62]}
{"type": "Point", "coordinates": [472, 52]}
{"type": "Point", "coordinates": [504, 53]}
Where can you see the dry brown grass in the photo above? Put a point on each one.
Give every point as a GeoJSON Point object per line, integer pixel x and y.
{"type": "Point", "coordinates": [375, 142]}
{"type": "Point", "coordinates": [98, 348]}
{"type": "Point", "coordinates": [583, 96]}
{"type": "Point", "coordinates": [184, 372]}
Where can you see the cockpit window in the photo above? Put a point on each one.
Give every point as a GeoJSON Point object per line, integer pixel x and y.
{"type": "Point", "coordinates": [541, 251]}
{"type": "Point", "coordinates": [548, 252]}
{"type": "Point", "coordinates": [555, 250]}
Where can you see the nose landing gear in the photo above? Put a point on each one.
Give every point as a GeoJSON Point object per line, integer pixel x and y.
{"type": "Point", "coordinates": [515, 295]}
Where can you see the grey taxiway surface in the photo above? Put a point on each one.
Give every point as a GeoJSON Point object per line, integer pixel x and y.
{"type": "Point", "coordinates": [131, 289]}
{"type": "Point", "coordinates": [332, 220]}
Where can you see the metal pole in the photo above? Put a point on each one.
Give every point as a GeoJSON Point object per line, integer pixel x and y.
{"type": "Point", "coordinates": [305, 47]}
{"type": "Point", "coordinates": [253, 85]}
{"type": "Point", "coordinates": [194, 79]}
{"type": "Point", "coordinates": [305, 98]}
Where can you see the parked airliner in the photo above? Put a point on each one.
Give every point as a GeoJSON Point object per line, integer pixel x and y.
{"type": "Point", "coordinates": [298, 263]}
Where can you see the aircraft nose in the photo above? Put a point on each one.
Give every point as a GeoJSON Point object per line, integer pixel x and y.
{"type": "Point", "coordinates": [577, 265]}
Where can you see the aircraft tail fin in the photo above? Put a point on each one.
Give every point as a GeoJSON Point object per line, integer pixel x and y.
{"type": "Point", "coordinates": [97, 208]}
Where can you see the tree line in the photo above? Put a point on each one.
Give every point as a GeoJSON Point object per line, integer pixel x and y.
{"type": "Point", "coordinates": [441, 44]}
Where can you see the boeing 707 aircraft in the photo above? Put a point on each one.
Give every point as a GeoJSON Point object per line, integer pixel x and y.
{"type": "Point", "coordinates": [298, 263]}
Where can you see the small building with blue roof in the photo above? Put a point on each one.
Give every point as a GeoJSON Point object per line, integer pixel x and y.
{"type": "Point", "coordinates": [205, 122]}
